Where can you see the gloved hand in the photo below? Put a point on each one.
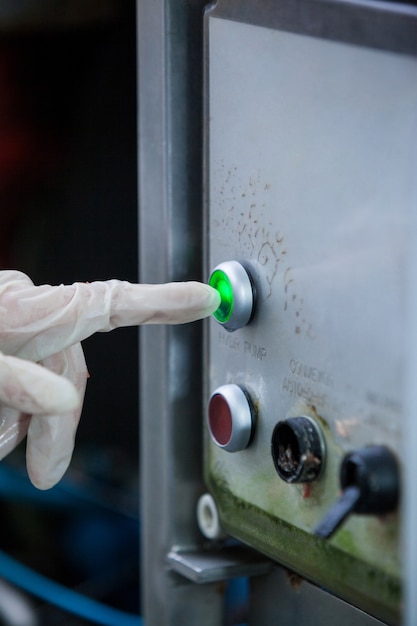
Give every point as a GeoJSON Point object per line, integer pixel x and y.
{"type": "Point", "coordinates": [42, 368]}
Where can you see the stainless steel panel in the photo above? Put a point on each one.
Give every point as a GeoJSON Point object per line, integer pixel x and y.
{"type": "Point", "coordinates": [311, 151]}
{"type": "Point", "coordinates": [283, 598]}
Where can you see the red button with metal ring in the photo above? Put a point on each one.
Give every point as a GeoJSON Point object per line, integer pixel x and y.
{"type": "Point", "coordinates": [230, 417]}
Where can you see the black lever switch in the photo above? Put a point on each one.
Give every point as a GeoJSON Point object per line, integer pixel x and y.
{"type": "Point", "coordinates": [370, 485]}
{"type": "Point", "coordinates": [338, 513]}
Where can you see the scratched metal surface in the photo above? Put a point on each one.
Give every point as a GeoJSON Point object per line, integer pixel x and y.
{"type": "Point", "coordinates": [311, 181]}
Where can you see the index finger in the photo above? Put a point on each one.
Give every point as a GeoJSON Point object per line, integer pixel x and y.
{"type": "Point", "coordinates": [36, 322]}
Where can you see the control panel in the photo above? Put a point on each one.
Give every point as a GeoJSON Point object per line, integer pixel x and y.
{"type": "Point", "coordinates": [310, 164]}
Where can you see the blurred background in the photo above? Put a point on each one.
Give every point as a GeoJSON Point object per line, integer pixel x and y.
{"type": "Point", "coordinates": [68, 213]}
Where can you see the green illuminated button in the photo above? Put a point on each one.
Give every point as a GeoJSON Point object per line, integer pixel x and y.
{"type": "Point", "coordinates": [219, 280]}
{"type": "Point", "coordinates": [234, 285]}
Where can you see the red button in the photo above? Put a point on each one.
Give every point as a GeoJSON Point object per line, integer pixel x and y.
{"type": "Point", "coordinates": [230, 417]}
{"type": "Point", "coordinates": [220, 419]}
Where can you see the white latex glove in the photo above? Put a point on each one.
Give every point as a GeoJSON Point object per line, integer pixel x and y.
{"type": "Point", "coordinates": [44, 325]}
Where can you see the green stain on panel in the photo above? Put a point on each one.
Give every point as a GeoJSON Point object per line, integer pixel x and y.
{"type": "Point", "coordinates": [332, 564]}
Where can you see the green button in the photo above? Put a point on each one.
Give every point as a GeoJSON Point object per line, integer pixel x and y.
{"type": "Point", "coordinates": [219, 280]}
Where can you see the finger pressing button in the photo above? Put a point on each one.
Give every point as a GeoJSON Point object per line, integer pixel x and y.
{"type": "Point", "coordinates": [235, 286]}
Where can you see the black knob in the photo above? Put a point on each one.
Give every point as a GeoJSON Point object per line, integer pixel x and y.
{"type": "Point", "coordinates": [370, 482]}
{"type": "Point", "coordinates": [297, 448]}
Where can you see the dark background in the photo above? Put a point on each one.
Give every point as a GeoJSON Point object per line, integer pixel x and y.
{"type": "Point", "coordinates": [68, 213]}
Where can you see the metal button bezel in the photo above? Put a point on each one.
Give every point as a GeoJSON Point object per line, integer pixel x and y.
{"type": "Point", "coordinates": [241, 410]}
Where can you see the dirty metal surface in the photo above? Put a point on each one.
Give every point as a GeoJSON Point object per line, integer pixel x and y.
{"type": "Point", "coordinates": [310, 182]}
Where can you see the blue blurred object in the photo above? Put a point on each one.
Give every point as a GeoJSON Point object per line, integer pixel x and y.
{"type": "Point", "coordinates": [237, 601]}
{"type": "Point", "coordinates": [99, 536]}
{"type": "Point", "coordinates": [15, 486]}
{"type": "Point", "coordinates": [93, 542]}
{"type": "Point", "coordinates": [66, 599]}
